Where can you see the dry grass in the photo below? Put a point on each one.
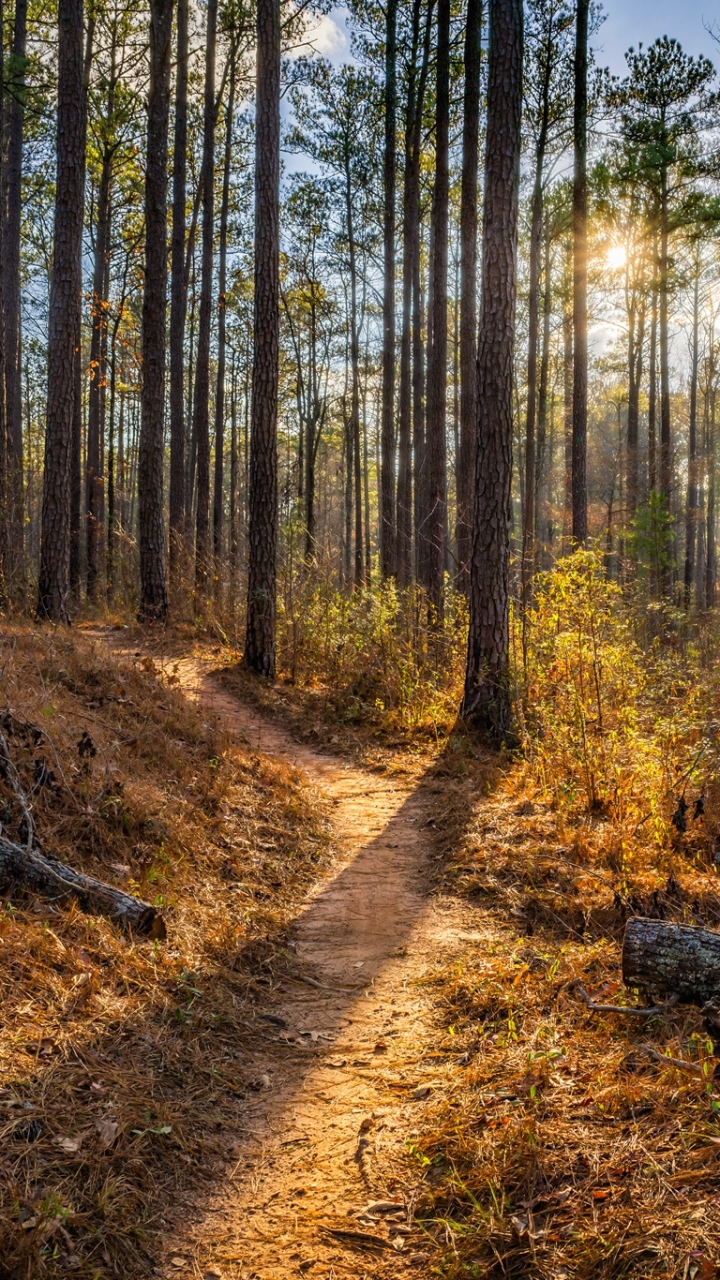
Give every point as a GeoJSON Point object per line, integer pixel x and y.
{"type": "Point", "coordinates": [123, 1062]}
{"type": "Point", "coordinates": [562, 1149]}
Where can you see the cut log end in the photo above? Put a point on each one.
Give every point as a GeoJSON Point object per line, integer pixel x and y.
{"type": "Point", "coordinates": [665, 958]}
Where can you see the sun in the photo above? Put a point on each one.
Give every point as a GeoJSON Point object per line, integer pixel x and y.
{"type": "Point", "coordinates": [616, 257]}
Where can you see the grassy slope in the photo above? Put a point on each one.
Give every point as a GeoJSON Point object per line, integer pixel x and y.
{"type": "Point", "coordinates": [122, 1062]}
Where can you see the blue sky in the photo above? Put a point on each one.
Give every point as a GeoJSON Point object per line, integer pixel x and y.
{"type": "Point", "coordinates": [625, 24]}
{"type": "Point", "coordinates": [635, 20]}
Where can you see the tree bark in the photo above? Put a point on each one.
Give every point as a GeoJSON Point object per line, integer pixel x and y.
{"type": "Point", "coordinates": [486, 703]}
{"type": "Point", "coordinates": [76, 485]}
{"type": "Point", "coordinates": [636, 338]}
{"type": "Point", "coordinates": [672, 959]}
{"type": "Point", "coordinates": [262, 523]}
{"type": "Point", "coordinates": [53, 879]}
{"type": "Point", "coordinates": [201, 407]}
{"type": "Point", "coordinates": [468, 285]}
{"type": "Point", "coordinates": [98, 373]}
{"type": "Point", "coordinates": [711, 548]}
{"type": "Point", "coordinates": [11, 300]}
{"type": "Point", "coordinates": [411, 218]}
{"type": "Point", "coordinates": [178, 304]}
{"type": "Point", "coordinates": [652, 398]}
{"type": "Point", "coordinates": [387, 422]}
{"type": "Point", "coordinates": [153, 592]}
{"type": "Point", "coordinates": [222, 307]}
{"type": "Point", "coordinates": [691, 510]}
{"type": "Point", "coordinates": [434, 530]}
{"type": "Point", "coordinates": [64, 317]}
{"type": "Point", "coordinates": [580, 199]}
{"type": "Point", "coordinates": [665, 452]}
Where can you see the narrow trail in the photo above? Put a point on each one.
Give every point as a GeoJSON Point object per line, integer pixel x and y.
{"type": "Point", "coordinates": [326, 1135]}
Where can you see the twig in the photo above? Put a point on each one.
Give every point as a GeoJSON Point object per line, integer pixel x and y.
{"type": "Point", "coordinates": [694, 1068]}
{"type": "Point", "coordinates": [627, 1009]}
{"type": "Point", "coordinates": [312, 982]}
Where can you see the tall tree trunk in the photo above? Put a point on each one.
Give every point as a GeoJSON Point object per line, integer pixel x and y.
{"type": "Point", "coordinates": [711, 547]}
{"type": "Point", "coordinates": [652, 399]}
{"type": "Point", "coordinates": [387, 421]}
{"type": "Point", "coordinates": [76, 484]}
{"type": "Point", "coordinates": [201, 407]}
{"type": "Point", "coordinates": [262, 525]}
{"type": "Point", "coordinates": [691, 510]}
{"type": "Point", "coordinates": [437, 353]}
{"type": "Point", "coordinates": [354, 374]}
{"type": "Point", "coordinates": [411, 218]}
{"type": "Point", "coordinates": [178, 304]}
{"type": "Point", "coordinates": [468, 284]}
{"type": "Point", "coordinates": [98, 374]}
{"type": "Point", "coordinates": [536, 225]}
{"type": "Point", "coordinates": [542, 461]}
{"type": "Point", "coordinates": [567, 331]}
{"type": "Point", "coordinates": [665, 456]}
{"type": "Point", "coordinates": [222, 307]}
{"type": "Point", "coordinates": [636, 339]}
{"type": "Point", "coordinates": [153, 592]}
{"type": "Point", "coordinates": [487, 702]}
{"type": "Point", "coordinates": [11, 301]}
{"type": "Point", "coordinates": [580, 359]}
{"type": "Point", "coordinates": [234, 475]}
{"type": "Point", "coordinates": [64, 317]}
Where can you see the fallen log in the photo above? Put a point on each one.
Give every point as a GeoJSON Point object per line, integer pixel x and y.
{"type": "Point", "coordinates": [672, 959]}
{"type": "Point", "coordinates": [57, 881]}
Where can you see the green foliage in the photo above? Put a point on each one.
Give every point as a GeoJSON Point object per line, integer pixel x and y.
{"type": "Point", "coordinates": [374, 653]}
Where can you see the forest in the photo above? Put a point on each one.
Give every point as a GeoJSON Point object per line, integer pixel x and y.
{"type": "Point", "coordinates": [359, 632]}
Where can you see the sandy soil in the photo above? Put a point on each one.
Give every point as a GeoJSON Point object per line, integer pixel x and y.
{"type": "Point", "coordinates": [346, 1074]}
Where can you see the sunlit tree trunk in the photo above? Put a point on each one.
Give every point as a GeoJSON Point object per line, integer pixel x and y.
{"type": "Point", "coordinates": [487, 701]}
{"type": "Point", "coordinates": [579, 441]}
{"type": "Point", "coordinates": [652, 399]}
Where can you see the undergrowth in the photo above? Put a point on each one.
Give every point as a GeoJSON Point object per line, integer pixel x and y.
{"type": "Point", "coordinates": [124, 1062]}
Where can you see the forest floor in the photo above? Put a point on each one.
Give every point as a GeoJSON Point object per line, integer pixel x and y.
{"type": "Point", "coordinates": [361, 1051]}
{"type": "Point", "coordinates": [326, 1182]}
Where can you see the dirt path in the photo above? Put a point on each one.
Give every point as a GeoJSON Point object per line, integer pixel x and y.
{"type": "Point", "coordinates": [327, 1133]}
